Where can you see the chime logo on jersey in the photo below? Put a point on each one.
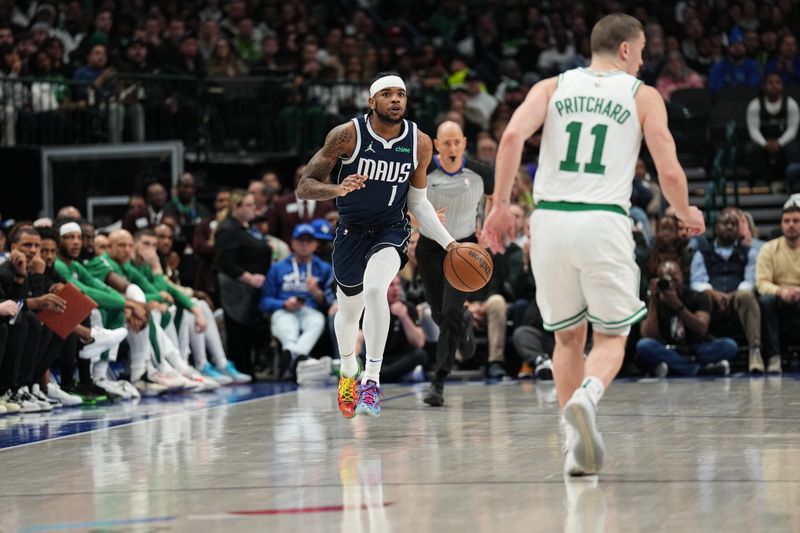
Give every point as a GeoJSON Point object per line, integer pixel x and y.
{"type": "Point", "coordinates": [388, 171]}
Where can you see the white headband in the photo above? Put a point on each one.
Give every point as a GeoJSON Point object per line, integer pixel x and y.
{"type": "Point", "coordinates": [384, 83]}
{"type": "Point", "coordinates": [69, 227]}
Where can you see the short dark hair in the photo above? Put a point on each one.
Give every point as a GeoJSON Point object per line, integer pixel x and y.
{"type": "Point", "coordinates": [612, 30]}
{"type": "Point", "coordinates": [49, 234]}
{"type": "Point", "coordinates": [144, 232]}
{"type": "Point", "coordinates": [19, 231]}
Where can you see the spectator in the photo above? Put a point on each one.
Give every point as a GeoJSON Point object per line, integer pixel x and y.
{"type": "Point", "coordinates": [787, 62]}
{"type": "Point", "coordinates": [676, 75]}
{"type": "Point", "coordinates": [243, 257]}
{"type": "Point", "coordinates": [772, 122]}
{"type": "Point", "coordinates": [271, 178]}
{"type": "Point", "coordinates": [297, 293]}
{"type": "Point", "coordinates": [224, 63]}
{"type": "Point", "coordinates": [676, 328]}
{"type": "Point", "coordinates": [208, 36]}
{"type": "Point", "coordinates": [725, 271]}
{"type": "Point", "coordinates": [289, 211]}
{"type": "Point", "coordinates": [149, 216]}
{"type": "Point", "coordinates": [101, 89]}
{"type": "Point", "coordinates": [203, 245]}
{"type": "Point", "coordinates": [479, 104]}
{"type": "Point", "coordinates": [185, 207]}
{"type": "Point", "coordinates": [736, 69]}
{"type": "Point", "coordinates": [270, 60]}
{"type": "Point", "coordinates": [262, 194]}
{"type": "Point", "coordinates": [247, 42]}
{"type": "Point", "coordinates": [487, 150]}
{"type": "Point", "coordinates": [553, 60]}
{"type": "Point", "coordinates": [778, 282]}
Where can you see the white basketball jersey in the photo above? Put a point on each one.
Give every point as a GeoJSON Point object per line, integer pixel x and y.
{"type": "Point", "coordinates": [591, 140]}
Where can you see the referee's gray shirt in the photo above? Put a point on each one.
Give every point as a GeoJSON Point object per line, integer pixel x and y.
{"type": "Point", "coordinates": [460, 192]}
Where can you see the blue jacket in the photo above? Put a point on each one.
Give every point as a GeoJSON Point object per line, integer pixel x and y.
{"type": "Point", "coordinates": [726, 73]}
{"type": "Point", "coordinates": [284, 281]}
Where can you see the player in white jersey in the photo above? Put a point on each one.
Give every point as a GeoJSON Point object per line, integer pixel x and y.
{"type": "Point", "coordinates": [581, 242]}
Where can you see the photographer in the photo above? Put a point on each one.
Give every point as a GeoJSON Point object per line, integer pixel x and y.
{"type": "Point", "coordinates": [676, 328]}
{"type": "Point", "coordinates": [297, 292]}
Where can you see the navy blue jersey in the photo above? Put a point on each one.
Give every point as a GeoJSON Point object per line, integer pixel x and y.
{"type": "Point", "coordinates": [389, 165]}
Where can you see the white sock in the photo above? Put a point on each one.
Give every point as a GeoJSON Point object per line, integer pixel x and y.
{"type": "Point", "coordinates": [594, 387]}
{"type": "Point", "coordinates": [373, 371]}
{"type": "Point", "coordinates": [349, 367]}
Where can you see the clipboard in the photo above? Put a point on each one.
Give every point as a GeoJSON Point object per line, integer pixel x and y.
{"type": "Point", "coordinates": [78, 308]}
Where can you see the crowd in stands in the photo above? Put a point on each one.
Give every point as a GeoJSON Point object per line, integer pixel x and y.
{"type": "Point", "coordinates": [192, 297]}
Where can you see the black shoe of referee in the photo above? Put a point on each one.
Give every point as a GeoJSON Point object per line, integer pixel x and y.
{"type": "Point", "coordinates": [435, 395]}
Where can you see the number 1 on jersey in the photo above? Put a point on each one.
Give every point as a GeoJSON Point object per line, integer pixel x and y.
{"type": "Point", "coordinates": [595, 166]}
{"type": "Point", "coordinates": [394, 193]}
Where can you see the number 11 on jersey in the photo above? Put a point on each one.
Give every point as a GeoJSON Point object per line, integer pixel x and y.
{"type": "Point", "coordinates": [595, 166]}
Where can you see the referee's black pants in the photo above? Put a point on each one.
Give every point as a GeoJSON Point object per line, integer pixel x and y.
{"type": "Point", "coordinates": [447, 303]}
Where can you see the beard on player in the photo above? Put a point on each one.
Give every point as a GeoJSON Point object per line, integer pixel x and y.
{"type": "Point", "coordinates": [393, 114]}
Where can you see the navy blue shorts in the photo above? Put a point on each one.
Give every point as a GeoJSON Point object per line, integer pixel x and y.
{"type": "Point", "coordinates": [354, 245]}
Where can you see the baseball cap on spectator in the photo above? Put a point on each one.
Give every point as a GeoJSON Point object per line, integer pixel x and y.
{"type": "Point", "coordinates": [472, 76]}
{"type": "Point", "coordinates": [735, 37]}
{"type": "Point", "coordinates": [322, 229]}
{"type": "Point", "coordinates": [303, 230]}
{"type": "Point", "coordinates": [792, 204]}
{"type": "Point", "coordinates": [41, 26]}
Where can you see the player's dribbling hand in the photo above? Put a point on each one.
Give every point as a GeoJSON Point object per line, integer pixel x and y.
{"type": "Point", "coordinates": [498, 225]}
{"type": "Point", "coordinates": [694, 220]}
{"type": "Point", "coordinates": [351, 183]}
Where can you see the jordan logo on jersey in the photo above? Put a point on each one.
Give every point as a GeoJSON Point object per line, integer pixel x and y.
{"type": "Point", "coordinates": [370, 148]}
{"type": "Point", "coordinates": [389, 171]}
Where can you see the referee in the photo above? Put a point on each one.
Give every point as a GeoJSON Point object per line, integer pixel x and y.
{"type": "Point", "coordinates": [457, 185]}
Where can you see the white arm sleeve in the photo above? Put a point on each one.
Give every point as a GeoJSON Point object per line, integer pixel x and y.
{"type": "Point", "coordinates": [792, 122]}
{"type": "Point", "coordinates": [754, 123]}
{"type": "Point", "coordinates": [426, 216]}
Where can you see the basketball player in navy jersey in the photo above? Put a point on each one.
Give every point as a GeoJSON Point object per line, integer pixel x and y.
{"type": "Point", "coordinates": [382, 160]}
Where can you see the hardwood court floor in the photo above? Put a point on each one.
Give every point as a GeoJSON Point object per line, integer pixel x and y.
{"type": "Point", "coordinates": [694, 455]}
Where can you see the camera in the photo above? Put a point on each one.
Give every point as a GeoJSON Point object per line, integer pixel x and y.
{"type": "Point", "coordinates": [664, 283]}
{"type": "Point", "coordinates": [301, 299]}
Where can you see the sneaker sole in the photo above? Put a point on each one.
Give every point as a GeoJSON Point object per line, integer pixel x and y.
{"type": "Point", "coordinates": [367, 412]}
{"type": "Point", "coordinates": [433, 401]}
{"type": "Point", "coordinates": [546, 375]}
{"type": "Point", "coordinates": [589, 451]}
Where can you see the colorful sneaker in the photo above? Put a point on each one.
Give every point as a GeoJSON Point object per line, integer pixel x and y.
{"type": "Point", "coordinates": [238, 377]}
{"type": "Point", "coordinates": [348, 396]}
{"type": "Point", "coordinates": [369, 399]}
{"type": "Point", "coordinates": [210, 371]}
{"type": "Point", "coordinates": [348, 393]}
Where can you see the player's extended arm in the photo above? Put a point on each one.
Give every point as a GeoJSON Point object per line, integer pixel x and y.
{"type": "Point", "coordinates": [525, 121]}
{"type": "Point", "coordinates": [418, 201]}
{"type": "Point", "coordinates": [671, 177]}
{"type": "Point", "coordinates": [339, 143]}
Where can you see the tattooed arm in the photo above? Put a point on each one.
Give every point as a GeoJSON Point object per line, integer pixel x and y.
{"type": "Point", "coordinates": [314, 184]}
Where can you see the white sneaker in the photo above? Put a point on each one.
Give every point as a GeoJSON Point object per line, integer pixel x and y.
{"type": "Point", "coordinates": [55, 392]}
{"type": "Point", "coordinates": [586, 443]}
{"type": "Point", "coordinates": [37, 393]}
{"type": "Point", "coordinates": [128, 387]}
{"type": "Point", "coordinates": [544, 369]}
{"type": "Point", "coordinates": [170, 383]}
{"type": "Point", "coordinates": [104, 339]}
{"type": "Point", "coordinates": [28, 403]}
{"type": "Point", "coordinates": [208, 384]}
{"type": "Point", "coordinates": [7, 401]}
{"type": "Point", "coordinates": [112, 387]}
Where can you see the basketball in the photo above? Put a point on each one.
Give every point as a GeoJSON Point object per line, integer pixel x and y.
{"type": "Point", "coordinates": [468, 267]}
